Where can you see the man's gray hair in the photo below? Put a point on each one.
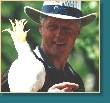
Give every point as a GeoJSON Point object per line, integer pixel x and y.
{"type": "Point", "coordinates": [43, 17]}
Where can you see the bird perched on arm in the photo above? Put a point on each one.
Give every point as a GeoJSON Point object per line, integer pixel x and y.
{"type": "Point", "coordinates": [26, 74]}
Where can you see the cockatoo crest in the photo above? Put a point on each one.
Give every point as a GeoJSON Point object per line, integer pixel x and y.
{"type": "Point", "coordinates": [17, 33]}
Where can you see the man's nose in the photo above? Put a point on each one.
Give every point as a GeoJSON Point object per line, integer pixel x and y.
{"type": "Point", "coordinates": [60, 32]}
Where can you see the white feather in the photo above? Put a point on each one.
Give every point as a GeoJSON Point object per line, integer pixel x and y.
{"type": "Point", "coordinates": [26, 74]}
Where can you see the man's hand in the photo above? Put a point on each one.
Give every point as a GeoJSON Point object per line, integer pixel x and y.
{"type": "Point", "coordinates": [63, 87]}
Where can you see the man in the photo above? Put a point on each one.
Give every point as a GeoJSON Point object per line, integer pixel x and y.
{"type": "Point", "coordinates": [59, 24]}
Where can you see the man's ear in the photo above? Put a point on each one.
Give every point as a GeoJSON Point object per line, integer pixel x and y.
{"type": "Point", "coordinates": [40, 29]}
{"type": "Point", "coordinates": [78, 33]}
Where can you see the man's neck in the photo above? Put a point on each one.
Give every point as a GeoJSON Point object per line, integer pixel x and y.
{"type": "Point", "coordinates": [58, 61]}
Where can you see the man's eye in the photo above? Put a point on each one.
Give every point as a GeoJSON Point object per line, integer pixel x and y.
{"type": "Point", "coordinates": [53, 27]}
{"type": "Point", "coordinates": [67, 28]}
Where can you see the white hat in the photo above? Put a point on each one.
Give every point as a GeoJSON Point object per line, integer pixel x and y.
{"type": "Point", "coordinates": [60, 9]}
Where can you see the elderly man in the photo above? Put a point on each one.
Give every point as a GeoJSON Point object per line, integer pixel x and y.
{"type": "Point", "coordinates": [46, 68]}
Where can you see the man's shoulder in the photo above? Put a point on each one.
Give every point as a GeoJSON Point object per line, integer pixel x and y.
{"type": "Point", "coordinates": [74, 72]}
{"type": "Point", "coordinates": [78, 79]}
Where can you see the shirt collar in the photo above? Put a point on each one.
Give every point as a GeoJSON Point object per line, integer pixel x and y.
{"type": "Point", "coordinates": [39, 52]}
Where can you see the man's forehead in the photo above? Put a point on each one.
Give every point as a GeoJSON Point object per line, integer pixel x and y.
{"type": "Point", "coordinates": [54, 19]}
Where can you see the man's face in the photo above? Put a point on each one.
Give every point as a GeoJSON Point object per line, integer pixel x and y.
{"type": "Point", "coordinates": [58, 36]}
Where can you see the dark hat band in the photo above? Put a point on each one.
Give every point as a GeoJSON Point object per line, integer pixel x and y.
{"type": "Point", "coordinates": [63, 10]}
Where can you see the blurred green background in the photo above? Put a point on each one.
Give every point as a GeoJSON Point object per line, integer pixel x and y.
{"type": "Point", "coordinates": [84, 57]}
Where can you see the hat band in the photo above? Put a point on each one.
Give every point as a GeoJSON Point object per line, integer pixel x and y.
{"type": "Point", "coordinates": [63, 10]}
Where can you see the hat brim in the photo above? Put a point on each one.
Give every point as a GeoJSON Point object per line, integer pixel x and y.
{"type": "Point", "coordinates": [34, 14]}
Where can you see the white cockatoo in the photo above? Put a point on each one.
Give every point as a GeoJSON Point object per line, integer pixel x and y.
{"type": "Point", "coordinates": [26, 74]}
